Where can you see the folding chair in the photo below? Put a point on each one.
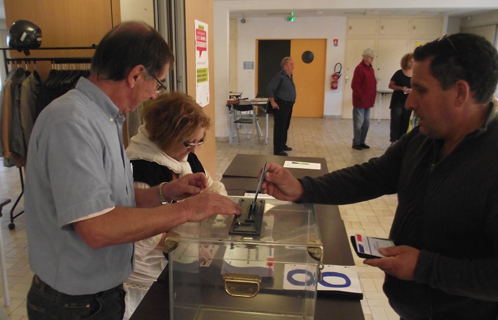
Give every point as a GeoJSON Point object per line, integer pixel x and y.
{"type": "Point", "coordinates": [244, 116]}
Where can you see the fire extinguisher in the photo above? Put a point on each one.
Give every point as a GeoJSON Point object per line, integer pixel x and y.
{"type": "Point", "coordinates": [335, 77]}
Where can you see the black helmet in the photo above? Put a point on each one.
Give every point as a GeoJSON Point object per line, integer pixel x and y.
{"type": "Point", "coordinates": [24, 35]}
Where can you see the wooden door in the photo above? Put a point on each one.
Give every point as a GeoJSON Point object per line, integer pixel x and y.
{"type": "Point", "coordinates": [269, 57]}
{"type": "Point", "coordinates": [309, 78]}
{"type": "Point", "coordinates": [354, 49]}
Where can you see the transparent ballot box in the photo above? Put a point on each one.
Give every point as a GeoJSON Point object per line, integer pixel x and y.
{"type": "Point", "coordinates": [217, 274]}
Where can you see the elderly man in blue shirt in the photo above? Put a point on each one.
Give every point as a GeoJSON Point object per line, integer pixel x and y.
{"type": "Point", "coordinates": [82, 212]}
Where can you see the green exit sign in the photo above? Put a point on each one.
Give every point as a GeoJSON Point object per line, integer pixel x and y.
{"type": "Point", "coordinates": [290, 18]}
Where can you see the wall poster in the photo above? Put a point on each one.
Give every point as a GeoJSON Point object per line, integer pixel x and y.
{"type": "Point", "coordinates": [201, 63]}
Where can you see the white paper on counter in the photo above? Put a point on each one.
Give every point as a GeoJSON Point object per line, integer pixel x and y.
{"type": "Point", "coordinates": [335, 278]}
{"type": "Point", "coordinates": [302, 165]}
{"type": "Point", "coordinates": [339, 278]}
{"type": "Point", "coordinates": [260, 195]}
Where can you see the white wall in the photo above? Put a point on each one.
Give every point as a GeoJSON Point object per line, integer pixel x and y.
{"type": "Point", "coordinates": [142, 10]}
{"type": "Point", "coordinates": [329, 28]}
{"type": "Point", "coordinates": [315, 28]}
{"type": "Point", "coordinates": [480, 20]}
{"type": "Point", "coordinates": [453, 25]}
{"type": "Point", "coordinates": [221, 73]}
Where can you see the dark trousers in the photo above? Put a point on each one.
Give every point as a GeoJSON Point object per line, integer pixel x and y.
{"type": "Point", "coordinates": [45, 303]}
{"type": "Point", "coordinates": [400, 119]}
{"type": "Point", "coordinates": [281, 118]}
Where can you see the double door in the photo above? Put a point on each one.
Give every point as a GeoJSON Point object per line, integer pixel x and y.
{"type": "Point", "coordinates": [309, 77]}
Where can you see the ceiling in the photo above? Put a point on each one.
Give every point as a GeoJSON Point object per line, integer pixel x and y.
{"type": "Point", "coordinates": [452, 12]}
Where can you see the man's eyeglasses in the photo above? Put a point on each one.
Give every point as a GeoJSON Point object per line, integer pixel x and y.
{"type": "Point", "coordinates": [446, 37]}
{"type": "Point", "coordinates": [159, 84]}
{"type": "Point", "coordinates": [188, 144]}
{"type": "Point", "coordinates": [461, 62]}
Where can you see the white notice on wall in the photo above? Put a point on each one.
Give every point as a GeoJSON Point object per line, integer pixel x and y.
{"type": "Point", "coordinates": [201, 63]}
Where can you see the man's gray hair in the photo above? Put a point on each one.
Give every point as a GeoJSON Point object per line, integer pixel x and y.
{"type": "Point", "coordinates": [284, 61]}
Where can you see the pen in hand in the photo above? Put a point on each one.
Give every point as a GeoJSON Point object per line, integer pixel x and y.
{"type": "Point", "coordinates": [253, 205]}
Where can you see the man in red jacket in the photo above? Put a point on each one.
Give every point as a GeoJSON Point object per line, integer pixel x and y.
{"type": "Point", "coordinates": [364, 87]}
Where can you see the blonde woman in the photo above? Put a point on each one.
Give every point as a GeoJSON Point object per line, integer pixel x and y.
{"type": "Point", "coordinates": [162, 151]}
{"type": "Point", "coordinates": [401, 84]}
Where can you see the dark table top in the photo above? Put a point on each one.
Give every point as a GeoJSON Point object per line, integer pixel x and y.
{"type": "Point", "coordinates": [155, 304]}
{"type": "Point", "coordinates": [328, 307]}
{"type": "Point", "coordinates": [249, 165]}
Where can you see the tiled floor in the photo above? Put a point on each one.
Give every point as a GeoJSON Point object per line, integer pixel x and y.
{"type": "Point", "coordinates": [328, 138]}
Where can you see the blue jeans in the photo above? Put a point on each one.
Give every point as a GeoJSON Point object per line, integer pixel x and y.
{"type": "Point", "coordinates": [361, 122]}
{"type": "Point", "coordinates": [46, 303]}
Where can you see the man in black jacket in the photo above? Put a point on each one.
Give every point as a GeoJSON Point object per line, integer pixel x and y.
{"type": "Point", "coordinates": [445, 172]}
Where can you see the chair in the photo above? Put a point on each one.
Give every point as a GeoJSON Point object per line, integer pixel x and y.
{"type": "Point", "coordinates": [244, 116]}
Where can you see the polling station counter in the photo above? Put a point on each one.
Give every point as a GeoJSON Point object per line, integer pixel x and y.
{"type": "Point", "coordinates": [252, 277]}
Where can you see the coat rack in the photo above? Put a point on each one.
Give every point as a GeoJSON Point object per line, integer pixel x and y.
{"type": "Point", "coordinates": [54, 60]}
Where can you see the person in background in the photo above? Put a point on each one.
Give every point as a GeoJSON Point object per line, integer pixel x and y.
{"type": "Point", "coordinates": [163, 151]}
{"type": "Point", "coordinates": [364, 87]}
{"type": "Point", "coordinates": [445, 259]}
{"type": "Point", "coordinates": [82, 213]}
{"type": "Point", "coordinates": [400, 83]}
{"type": "Point", "coordinates": [281, 92]}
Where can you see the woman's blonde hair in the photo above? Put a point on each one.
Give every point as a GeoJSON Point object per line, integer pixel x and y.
{"type": "Point", "coordinates": [172, 118]}
{"type": "Point", "coordinates": [404, 60]}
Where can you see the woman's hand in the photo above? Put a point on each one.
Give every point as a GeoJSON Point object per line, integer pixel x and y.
{"type": "Point", "coordinates": [186, 186]}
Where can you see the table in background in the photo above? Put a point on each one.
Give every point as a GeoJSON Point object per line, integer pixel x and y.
{"type": "Point", "coordinates": [257, 103]}
{"type": "Point", "coordinates": [381, 94]}
{"type": "Point", "coordinates": [261, 103]}
{"type": "Point", "coordinates": [248, 165]}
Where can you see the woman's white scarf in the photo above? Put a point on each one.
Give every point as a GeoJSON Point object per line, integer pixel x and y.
{"type": "Point", "coordinates": [142, 148]}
